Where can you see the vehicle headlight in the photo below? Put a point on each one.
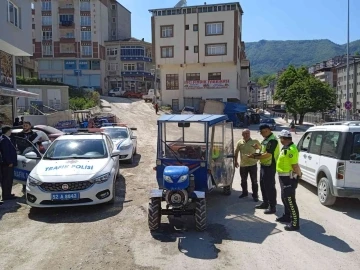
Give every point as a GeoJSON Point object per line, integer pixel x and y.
{"type": "Point", "coordinates": [124, 146]}
{"type": "Point", "coordinates": [33, 182]}
{"type": "Point", "coordinates": [100, 179]}
{"type": "Point", "coordinates": [182, 178]}
{"type": "Point", "coordinates": [168, 179]}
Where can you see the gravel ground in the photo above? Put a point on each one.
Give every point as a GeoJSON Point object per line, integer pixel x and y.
{"type": "Point", "coordinates": [117, 237]}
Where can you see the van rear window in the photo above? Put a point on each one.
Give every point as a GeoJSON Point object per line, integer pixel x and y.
{"type": "Point", "coordinates": [355, 150]}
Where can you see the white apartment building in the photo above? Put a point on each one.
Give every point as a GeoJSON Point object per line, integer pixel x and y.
{"type": "Point", "coordinates": [354, 86]}
{"type": "Point", "coordinates": [326, 76]}
{"type": "Point", "coordinates": [70, 37]}
{"type": "Point", "coordinates": [15, 40]}
{"type": "Point", "coordinates": [198, 51]}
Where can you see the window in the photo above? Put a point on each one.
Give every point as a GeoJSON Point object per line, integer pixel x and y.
{"type": "Point", "coordinates": [113, 66]}
{"type": "Point", "coordinates": [195, 27]}
{"type": "Point", "coordinates": [45, 6]}
{"type": "Point", "coordinates": [196, 49]}
{"type": "Point", "coordinates": [193, 76]}
{"type": "Point", "coordinates": [85, 21]}
{"type": "Point", "coordinates": [355, 153]}
{"type": "Point", "coordinates": [13, 14]}
{"type": "Point", "coordinates": [187, 27]}
{"type": "Point", "coordinates": [172, 81]}
{"type": "Point", "coordinates": [112, 51]}
{"type": "Point", "coordinates": [215, 49]}
{"type": "Point", "coordinates": [85, 35]}
{"type": "Point", "coordinates": [47, 50]}
{"type": "Point", "coordinates": [46, 20]}
{"type": "Point", "coordinates": [24, 146]}
{"type": "Point", "coordinates": [167, 31]}
{"type": "Point", "coordinates": [186, 48]}
{"type": "Point", "coordinates": [113, 7]}
{"type": "Point", "coordinates": [315, 143]}
{"type": "Point", "coordinates": [129, 67]}
{"type": "Point", "coordinates": [85, 5]}
{"type": "Point", "coordinates": [167, 52]}
{"type": "Point", "coordinates": [46, 35]}
{"type": "Point", "coordinates": [66, 18]}
{"type": "Point", "coordinates": [214, 76]}
{"type": "Point", "coordinates": [113, 19]}
{"type": "Point", "coordinates": [304, 144]}
{"type": "Point", "coordinates": [67, 48]}
{"type": "Point", "coordinates": [330, 144]}
{"type": "Point", "coordinates": [86, 50]}
{"type": "Point", "coordinates": [214, 28]}
{"type": "Point", "coordinates": [137, 51]}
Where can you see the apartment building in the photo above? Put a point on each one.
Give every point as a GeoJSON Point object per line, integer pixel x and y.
{"type": "Point", "coordinates": [119, 21]}
{"type": "Point", "coordinates": [354, 85]}
{"type": "Point", "coordinates": [129, 63]}
{"type": "Point", "coordinates": [69, 41]}
{"type": "Point", "coordinates": [15, 40]}
{"type": "Point", "coordinates": [197, 50]}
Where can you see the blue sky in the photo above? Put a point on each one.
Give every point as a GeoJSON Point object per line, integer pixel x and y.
{"type": "Point", "coordinates": [270, 19]}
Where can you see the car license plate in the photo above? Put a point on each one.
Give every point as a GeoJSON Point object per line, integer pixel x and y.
{"type": "Point", "coordinates": [65, 196]}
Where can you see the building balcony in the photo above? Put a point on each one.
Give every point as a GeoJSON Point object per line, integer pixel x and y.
{"type": "Point", "coordinates": [66, 10]}
{"type": "Point", "coordinates": [115, 73]}
{"type": "Point", "coordinates": [67, 39]}
{"type": "Point", "coordinates": [67, 25]}
{"type": "Point", "coordinates": [136, 58]}
{"type": "Point", "coordinates": [67, 54]}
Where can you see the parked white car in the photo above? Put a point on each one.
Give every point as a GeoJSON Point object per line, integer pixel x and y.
{"type": "Point", "coordinates": [116, 92]}
{"type": "Point", "coordinates": [78, 169]}
{"type": "Point", "coordinates": [329, 157]}
{"type": "Point", "coordinates": [123, 139]}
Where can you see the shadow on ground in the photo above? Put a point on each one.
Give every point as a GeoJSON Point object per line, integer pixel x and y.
{"type": "Point", "coordinates": [229, 218]}
{"type": "Point", "coordinates": [135, 163]}
{"type": "Point", "coordinates": [82, 214]}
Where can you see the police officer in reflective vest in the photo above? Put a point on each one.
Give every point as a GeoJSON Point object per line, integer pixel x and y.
{"type": "Point", "coordinates": [268, 156]}
{"type": "Point", "coordinates": [289, 173]}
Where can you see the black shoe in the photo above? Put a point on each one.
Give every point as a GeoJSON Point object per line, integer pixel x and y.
{"type": "Point", "coordinates": [262, 206]}
{"type": "Point", "coordinates": [256, 199]}
{"type": "Point", "coordinates": [284, 219]}
{"type": "Point", "coordinates": [291, 228]}
{"type": "Point", "coordinates": [243, 195]}
{"type": "Point", "coordinates": [270, 210]}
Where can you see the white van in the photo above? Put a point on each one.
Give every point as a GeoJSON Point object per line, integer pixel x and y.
{"type": "Point", "coordinates": [329, 157]}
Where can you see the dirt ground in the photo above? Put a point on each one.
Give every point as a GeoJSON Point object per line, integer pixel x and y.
{"type": "Point", "coordinates": [117, 237]}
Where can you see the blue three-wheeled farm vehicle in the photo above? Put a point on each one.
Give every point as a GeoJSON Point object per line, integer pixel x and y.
{"type": "Point", "coordinates": [195, 154]}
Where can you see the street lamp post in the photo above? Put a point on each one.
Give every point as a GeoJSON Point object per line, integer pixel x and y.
{"type": "Point", "coordinates": [347, 64]}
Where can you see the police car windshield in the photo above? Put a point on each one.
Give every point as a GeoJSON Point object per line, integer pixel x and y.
{"type": "Point", "coordinates": [116, 133]}
{"type": "Point", "coordinates": [77, 149]}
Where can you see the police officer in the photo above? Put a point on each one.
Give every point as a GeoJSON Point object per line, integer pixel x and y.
{"type": "Point", "coordinates": [289, 172]}
{"type": "Point", "coordinates": [268, 156]}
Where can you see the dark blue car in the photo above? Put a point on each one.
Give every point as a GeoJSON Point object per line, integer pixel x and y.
{"type": "Point", "coordinates": [271, 122]}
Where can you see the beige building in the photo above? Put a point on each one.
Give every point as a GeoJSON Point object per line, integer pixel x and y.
{"type": "Point", "coordinates": [326, 76]}
{"type": "Point", "coordinates": [198, 51]}
{"type": "Point", "coordinates": [69, 40]}
{"type": "Point", "coordinates": [354, 86]}
{"type": "Point", "coordinates": [129, 62]}
{"type": "Point", "coordinates": [15, 41]}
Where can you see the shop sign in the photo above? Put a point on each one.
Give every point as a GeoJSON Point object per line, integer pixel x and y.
{"type": "Point", "coordinates": [207, 84]}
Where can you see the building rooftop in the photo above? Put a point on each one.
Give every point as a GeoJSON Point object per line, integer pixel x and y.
{"type": "Point", "coordinates": [198, 9]}
{"type": "Point", "coordinates": [128, 40]}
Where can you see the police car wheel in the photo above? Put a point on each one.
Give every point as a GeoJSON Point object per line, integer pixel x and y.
{"type": "Point", "coordinates": [324, 192]}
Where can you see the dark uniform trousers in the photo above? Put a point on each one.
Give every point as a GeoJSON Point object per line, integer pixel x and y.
{"type": "Point", "coordinates": [6, 177]}
{"type": "Point", "coordinates": [288, 190]}
{"type": "Point", "coordinates": [252, 171]}
{"type": "Point", "coordinates": [267, 185]}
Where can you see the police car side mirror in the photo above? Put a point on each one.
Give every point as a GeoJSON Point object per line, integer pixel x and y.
{"type": "Point", "coordinates": [32, 155]}
{"type": "Point", "coordinates": [115, 153]}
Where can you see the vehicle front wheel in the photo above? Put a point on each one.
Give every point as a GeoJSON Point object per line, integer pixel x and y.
{"type": "Point", "coordinates": [154, 214]}
{"type": "Point", "coordinates": [227, 190]}
{"type": "Point", "coordinates": [200, 215]}
{"type": "Point", "coordinates": [324, 192]}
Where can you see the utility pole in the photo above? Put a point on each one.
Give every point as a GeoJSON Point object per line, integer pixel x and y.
{"type": "Point", "coordinates": [347, 64]}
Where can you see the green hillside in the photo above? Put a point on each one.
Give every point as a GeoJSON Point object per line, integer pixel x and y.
{"type": "Point", "coordinates": [268, 56]}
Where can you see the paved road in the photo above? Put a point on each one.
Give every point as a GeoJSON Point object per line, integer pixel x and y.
{"type": "Point", "coordinates": [238, 236]}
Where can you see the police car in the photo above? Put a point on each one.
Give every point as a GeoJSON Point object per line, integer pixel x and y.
{"type": "Point", "coordinates": [123, 139]}
{"type": "Point", "coordinates": [76, 169]}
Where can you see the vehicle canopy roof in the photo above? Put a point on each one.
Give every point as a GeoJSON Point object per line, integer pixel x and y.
{"type": "Point", "coordinates": [210, 119]}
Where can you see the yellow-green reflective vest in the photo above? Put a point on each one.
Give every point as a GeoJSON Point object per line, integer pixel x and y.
{"type": "Point", "coordinates": [268, 161]}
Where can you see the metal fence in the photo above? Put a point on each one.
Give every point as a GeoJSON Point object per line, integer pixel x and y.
{"type": "Point", "coordinates": [41, 109]}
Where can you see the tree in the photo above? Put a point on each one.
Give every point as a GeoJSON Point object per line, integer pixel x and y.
{"type": "Point", "coordinates": [303, 93]}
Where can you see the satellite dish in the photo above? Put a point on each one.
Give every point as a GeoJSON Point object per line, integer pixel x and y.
{"type": "Point", "coordinates": [181, 3]}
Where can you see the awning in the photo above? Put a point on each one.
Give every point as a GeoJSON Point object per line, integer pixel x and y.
{"type": "Point", "coordinates": [16, 93]}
